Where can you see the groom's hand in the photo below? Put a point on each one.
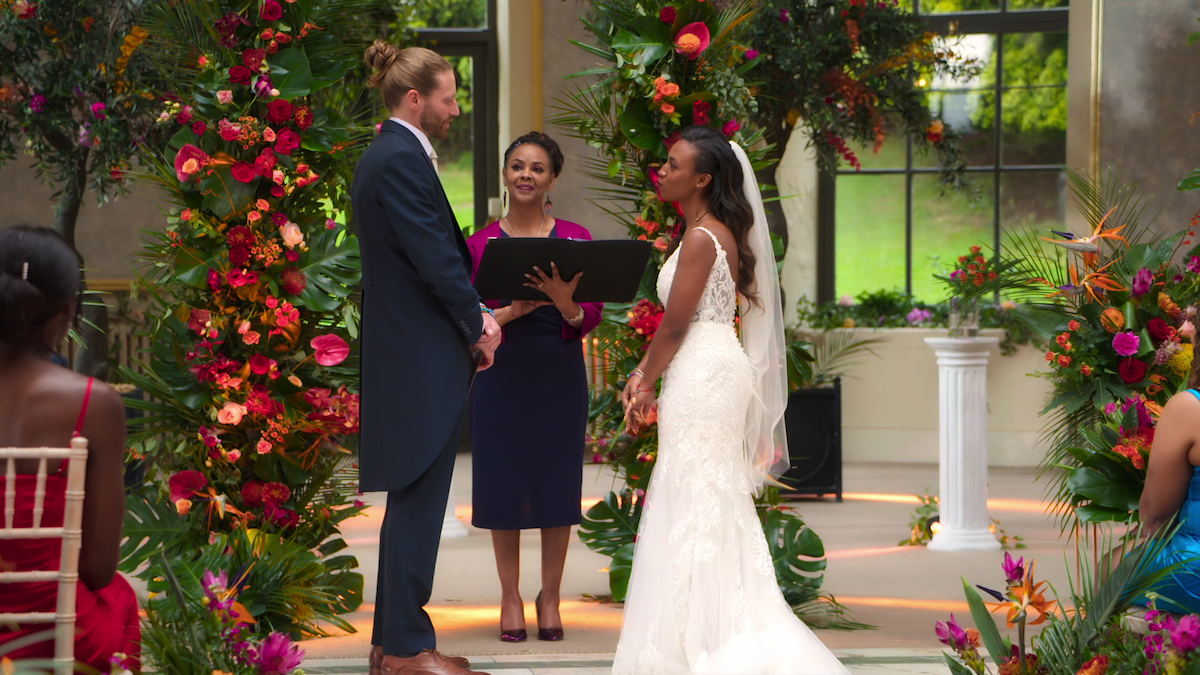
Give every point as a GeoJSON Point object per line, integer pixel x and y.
{"type": "Point", "coordinates": [488, 341]}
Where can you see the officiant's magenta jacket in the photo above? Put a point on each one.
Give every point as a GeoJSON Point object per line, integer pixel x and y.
{"type": "Point", "coordinates": [563, 229]}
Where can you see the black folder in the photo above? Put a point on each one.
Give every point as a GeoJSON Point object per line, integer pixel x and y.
{"type": "Point", "coordinates": [613, 268]}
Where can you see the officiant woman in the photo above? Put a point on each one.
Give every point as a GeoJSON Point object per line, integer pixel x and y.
{"type": "Point", "coordinates": [529, 412]}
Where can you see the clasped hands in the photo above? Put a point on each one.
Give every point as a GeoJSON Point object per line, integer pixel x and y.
{"type": "Point", "coordinates": [560, 292]}
{"type": "Point", "coordinates": [641, 405]}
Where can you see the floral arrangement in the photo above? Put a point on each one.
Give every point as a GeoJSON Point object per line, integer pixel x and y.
{"type": "Point", "coordinates": [255, 414]}
{"type": "Point", "coordinates": [853, 72]}
{"type": "Point", "coordinates": [1088, 637]}
{"type": "Point", "coordinates": [1117, 313]}
{"type": "Point", "coordinates": [205, 628]}
{"type": "Point", "coordinates": [1105, 484]}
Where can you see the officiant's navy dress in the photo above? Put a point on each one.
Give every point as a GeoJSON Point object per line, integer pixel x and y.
{"type": "Point", "coordinates": [529, 413]}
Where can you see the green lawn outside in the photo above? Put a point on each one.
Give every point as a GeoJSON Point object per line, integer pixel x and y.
{"type": "Point", "coordinates": [870, 223]}
{"type": "Point", "coordinates": [458, 179]}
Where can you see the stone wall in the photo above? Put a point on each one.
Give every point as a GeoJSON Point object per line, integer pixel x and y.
{"type": "Point", "coordinates": [1148, 95]}
{"type": "Point", "coordinates": [107, 235]}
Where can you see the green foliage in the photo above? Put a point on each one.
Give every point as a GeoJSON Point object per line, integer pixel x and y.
{"type": "Point", "coordinates": [919, 530]}
{"type": "Point", "coordinates": [842, 70]}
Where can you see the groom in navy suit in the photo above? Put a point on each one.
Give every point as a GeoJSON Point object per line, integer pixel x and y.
{"type": "Point", "coordinates": [422, 321]}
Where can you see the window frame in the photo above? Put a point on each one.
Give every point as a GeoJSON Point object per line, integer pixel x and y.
{"type": "Point", "coordinates": [996, 22]}
{"type": "Point", "coordinates": [480, 44]}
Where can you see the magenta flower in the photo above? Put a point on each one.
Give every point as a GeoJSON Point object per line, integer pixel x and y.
{"type": "Point", "coordinates": [918, 315]}
{"type": "Point", "coordinates": [751, 54]}
{"type": "Point", "coordinates": [98, 110]}
{"type": "Point", "coordinates": [330, 349]}
{"type": "Point", "coordinates": [668, 14]}
{"type": "Point", "coordinates": [37, 103]}
{"type": "Point", "coordinates": [1186, 635]}
{"type": "Point", "coordinates": [1142, 282]}
{"type": "Point", "coordinates": [188, 162]}
{"type": "Point", "coordinates": [1126, 343]}
{"type": "Point", "coordinates": [263, 86]}
{"type": "Point", "coordinates": [1193, 265]}
{"type": "Point", "coordinates": [951, 634]}
{"type": "Point", "coordinates": [784, 16]}
{"type": "Point", "coordinates": [692, 40]}
{"type": "Point", "coordinates": [1014, 571]}
{"type": "Point", "coordinates": [731, 127]}
{"type": "Point", "coordinates": [278, 656]}
{"type": "Point", "coordinates": [215, 589]}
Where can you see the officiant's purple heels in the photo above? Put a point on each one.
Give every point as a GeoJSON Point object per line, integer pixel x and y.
{"type": "Point", "coordinates": [514, 635]}
{"type": "Point", "coordinates": [546, 634]}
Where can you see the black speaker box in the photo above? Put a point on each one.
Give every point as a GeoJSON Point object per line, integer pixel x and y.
{"type": "Point", "coordinates": [814, 430]}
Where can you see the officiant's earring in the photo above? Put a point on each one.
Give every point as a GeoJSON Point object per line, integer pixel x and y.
{"type": "Point", "coordinates": [504, 202]}
{"type": "Point", "coordinates": [549, 205]}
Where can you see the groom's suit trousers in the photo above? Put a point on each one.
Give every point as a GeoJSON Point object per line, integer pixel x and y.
{"type": "Point", "coordinates": [408, 548]}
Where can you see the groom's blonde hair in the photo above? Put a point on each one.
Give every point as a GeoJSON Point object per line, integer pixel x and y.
{"type": "Point", "coordinates": [399, 71]}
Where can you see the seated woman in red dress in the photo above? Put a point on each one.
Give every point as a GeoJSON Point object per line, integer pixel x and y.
{"type": "Point", "coordinates": [42, 404]}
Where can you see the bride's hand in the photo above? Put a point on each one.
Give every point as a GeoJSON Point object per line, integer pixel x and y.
{"type": "Point", "coordinates": [630, 392]}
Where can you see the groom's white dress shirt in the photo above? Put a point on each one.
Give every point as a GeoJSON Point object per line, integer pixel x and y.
{"type": "Point", "coordinates": [420, 137]}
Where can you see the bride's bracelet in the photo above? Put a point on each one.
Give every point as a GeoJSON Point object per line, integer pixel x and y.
{"type": "Point", "coordinates": [638, 372]}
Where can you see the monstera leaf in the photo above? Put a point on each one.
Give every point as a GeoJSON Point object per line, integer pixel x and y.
{"type": "Point", "coordinates": [332, 266]}
{"type": "Point", "coordinates": [797, 553]}
{"type": "Point", "coordinates": [611, 523]}
{"type": "Point", "coordinates": [291, 73]}
{"type": "Point", "coordinates": [150, 526]}
{"type": "Point", "coordinates": [618, 572]}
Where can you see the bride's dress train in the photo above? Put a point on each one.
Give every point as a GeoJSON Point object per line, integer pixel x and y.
{"type": "Point", "coordinates": [702, 597]}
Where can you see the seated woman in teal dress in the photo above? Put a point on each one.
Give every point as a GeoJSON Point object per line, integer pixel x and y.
{"type": "Point", "coordinates": [1173, 487]}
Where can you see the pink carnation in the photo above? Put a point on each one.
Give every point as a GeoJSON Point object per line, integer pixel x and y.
{"type": "Point", "coordinates": [1126, 343]}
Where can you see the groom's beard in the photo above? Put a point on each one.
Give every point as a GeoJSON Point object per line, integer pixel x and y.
{"type": "Point", "coordinates": [435, 126]}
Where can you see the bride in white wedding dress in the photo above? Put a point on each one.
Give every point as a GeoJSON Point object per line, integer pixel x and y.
{"type": "Point", "coordinates": [702, 597]}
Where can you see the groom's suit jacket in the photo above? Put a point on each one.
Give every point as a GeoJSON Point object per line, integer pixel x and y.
{"type": "Point", "coordinates": [420, 313]}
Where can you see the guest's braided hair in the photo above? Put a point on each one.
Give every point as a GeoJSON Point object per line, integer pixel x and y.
{"type": "Point", "coordinates": [40, 274]}
{"type": "Point", "coordinates": [546, 143]}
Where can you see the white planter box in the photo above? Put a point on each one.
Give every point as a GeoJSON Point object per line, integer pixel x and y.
{"type": "Point", "coordinates": [890, 403]}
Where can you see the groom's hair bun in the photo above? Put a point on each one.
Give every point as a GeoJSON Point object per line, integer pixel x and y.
{"type": "Point", "coordinates": [399, 71]}
{"type": "Point", "coordinates": [546, 143]}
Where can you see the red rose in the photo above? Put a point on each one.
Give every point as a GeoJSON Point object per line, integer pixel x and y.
{"type": "Point", "coordinates": [253, 58]}
{"type": "Point", "coordinates": [239, 255]}
{"type": "Point", "coordinates": [199, 128]}
{"type": "Point", "coordinates": [243, 172]}
{"type": "Point", "coordinates": [283, 38]}
{"type": "Point", "coordinates": [273, 47]}
{"type": "Point", "coordinates": [1064, 361]}
{"type": "Point", "coordinates": [280, 111]}
{"type": "Point", "coordinates": [259, 364]}
{"type": "Point", "coordinates": [668, 14]}
{"type": "Point", "coordinates": [1158, 329]}
{"type": "Point", "coordinates": [304, 118]}
{"type": "Point", "coordinates": [278, 219]}
{"type": "Point", "coordinates": [271, 11]}
{"type": "Point", "coordinates": [240, 75]}
{"type": "Point", "coordinates": [1132, 370]}
{"type": "Point", "coordinates": [287, 141]}
{"type": "Point", "coordinates": [700, 113]}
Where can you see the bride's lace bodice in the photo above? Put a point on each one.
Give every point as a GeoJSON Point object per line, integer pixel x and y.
{"type": "Point", "coordinates": [719, 302]}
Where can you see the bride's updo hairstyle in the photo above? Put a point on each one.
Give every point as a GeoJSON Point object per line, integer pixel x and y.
{"type": "Point", "coordinates": [726, 197]}
{"type": "Point", "coordinates": [40, 274]}
{"type": "Point", "coordinates": [398, 71]}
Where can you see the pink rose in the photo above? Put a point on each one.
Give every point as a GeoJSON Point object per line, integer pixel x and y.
{"type": "Point", "coordinates": [234, 455]}
{"type": "Point", "coordinates": [292, 236]}
{"type": "Point", "coordinates": [1187, 330]}
{"type": "Point", "coordinates": [232, 413]}
{"type": "Point", "coordinates": [251, 337]}
{"type": "Point", "coordinates": [263, 447]}
{"type": "Point", "coordinates": [243, 172]}
{"type": "Point", "coordinates": [661, 244]}
{"type": "Point", "coordinates": [731, 127]}
{"type": "Point", "coordinates": [225, 97]}
{"type": "Point", "coordinates": [330, 349]}
{"type": "Point", "coordinates": [183, 506]}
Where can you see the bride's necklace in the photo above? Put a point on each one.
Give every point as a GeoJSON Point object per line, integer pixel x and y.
{"type": "Point", "coordinates": [513, 232]}
{"type": "Point", "coordinates": [700, 218]}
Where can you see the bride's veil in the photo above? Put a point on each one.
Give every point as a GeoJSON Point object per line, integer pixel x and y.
{"type": "Point", "coordinates": [762, 338]}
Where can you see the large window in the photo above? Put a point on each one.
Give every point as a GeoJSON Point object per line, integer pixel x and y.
{"type": "Point", "coordinates": [891, 225]}
{"type": "Point", "coordinates": [464, 31]}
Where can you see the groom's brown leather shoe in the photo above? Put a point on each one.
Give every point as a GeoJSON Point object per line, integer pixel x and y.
{"type": "Point", "coordinates": [376, 661]}
{"type": "Point", "coordinates": [428, 662]}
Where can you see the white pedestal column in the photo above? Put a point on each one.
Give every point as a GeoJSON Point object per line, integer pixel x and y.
{"type": "Point", "coordinates": [962, 440]}
{"type": "Point", "coordinates": [452, 527]}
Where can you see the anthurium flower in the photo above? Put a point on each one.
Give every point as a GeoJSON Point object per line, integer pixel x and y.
{"type": "Point", "coordinates": [330, 349]}
{"type": "Point", "coordinates": [692, 40]}
{"type": "Point", "coordinates": [187, 483]}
